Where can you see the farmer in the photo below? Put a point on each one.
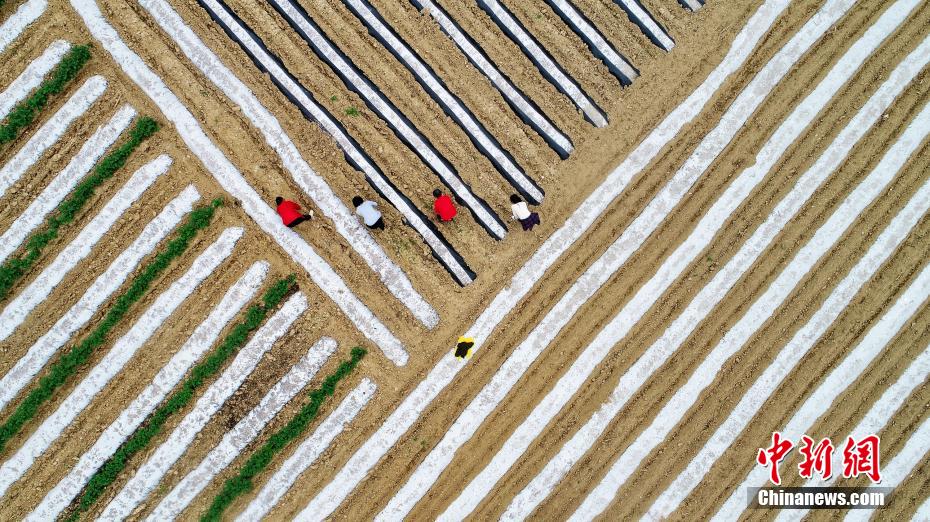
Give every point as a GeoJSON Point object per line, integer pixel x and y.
{"type": "Point", "coordinates": [290, 212]}
{"type": "Point", "coordinates": [463, 347]}
{"type": "Point", "coordinates": [443, 206]}
{"type": "Point", "coordinates": [368, 211]}
{"type": "Point", "coordinates": [522, 213]}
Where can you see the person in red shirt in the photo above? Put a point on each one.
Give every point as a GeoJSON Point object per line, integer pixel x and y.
{"type": "Point", "coordinates": [443, 206]}
{"type": "Point", "coordinates": [290, 212]}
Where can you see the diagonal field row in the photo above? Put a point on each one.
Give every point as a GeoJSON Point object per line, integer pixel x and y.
{"type": "Point", "coordinates": [32, 76]}
{"type": "Point", "coordinates": [65, 181]}
{"type": "Point", "coordinates": [103, 286]}
{"type": "Point", "coordinates": [301, 22]}
{"type": "Point", "coordinates": [796, 124]}
{"type": "Point", "coordinates": [308, 452]}
{"type": "Point", "coordinates": [596, 275]}
{"type": "Point", "coordinates": [236, 439]}
{"type": "Point", "coordinates": [869, 264]}
{"type": "Point", "coordinates": [528, 111]}
{"type": "Point", "coordinates": [684, 399]}
{"type": "Point", "coordinates": [51, 131]}
{"type": "Point", "coordinates": [259, 50]}
{"type": "Point", "coordinates": [876, 419]}
{"type": "Point", "coordinates": [749, 256]}
{"type": "Point", "coordinates": [450, 103]}
{"type": "Point", "coordinates": [232, 181]}
{"type": "Point", "coordinates": [150, 474]}
{"type": "Point", "coordinates": [723, 282]}
{"type": "Point", "coordinates": [411, 408]}
{"type": "Point", "coordinates": [167, 378]}
{"type": "Point", "coordinates": [16, 311]}
{"type": "Point", "coordinates": [117, 358]}
{"type": "Point", "coordinates": [13, 26]}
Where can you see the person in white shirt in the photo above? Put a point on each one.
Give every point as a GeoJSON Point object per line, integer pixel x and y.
{"type": "Point", "coordinates": [522, 213]}
{"type": "Point", "coordinates": [368, 211]}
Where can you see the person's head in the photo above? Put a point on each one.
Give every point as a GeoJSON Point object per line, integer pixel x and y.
{"type": "Point", "coordinates": [515, 199]}
{"type": "Point", "coordinates": [278, 200]}
{"type": "Point", "coordinates": [437, 193]}
{"type": "Point", "coordinates": [357, 200]}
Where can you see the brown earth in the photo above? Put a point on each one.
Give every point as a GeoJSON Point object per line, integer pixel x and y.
{"type": "Point", "coordinates": [667, 78]}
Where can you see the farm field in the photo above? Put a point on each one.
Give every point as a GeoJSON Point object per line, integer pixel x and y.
{"type": "Point", "coordinates": [734, 202]}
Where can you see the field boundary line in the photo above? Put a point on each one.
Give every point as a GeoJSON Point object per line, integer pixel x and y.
{"type": "Point", "coordinates": [348, 226]}
{"type": "Point", "coordinates": [25, 14]}
{"type": "Point", "coordinates": [546, 65]}
{"type": "Point", "coordinates": [60, 186]}
{"type": "Point", "coordinates": [165, 380]}
{"type": "Point", "coordinates": [244, 432]}
{"type": "Point", "coordinates": [80, 247]}
{"type": "Point", "coordinates": [103, 286]}
{"type": "Point", "coordinates": [308, 452]}
{"type": "Point", "coordinates": [410, 409]}
{"type": "Point", "coordinates": [661, 350]}
{"type": "Point", "coordinates": [231, 180]}
{"type": "Point", "coordinates": [529, 112]}
{"type": "Point", "coordinates": [115, 360]}
{"type": "Point", "coordinates": [51, 131]}
{"type": "Point", "coordinates": [147, 477]}
{"type": "Point", "coordinates": [32, 76]}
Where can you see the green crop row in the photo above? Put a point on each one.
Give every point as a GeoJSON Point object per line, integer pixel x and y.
{"type": "Point", "coordinates": [25, 112]}
{"type": "Point", "coordinates": [237, 337]}
{"type": "Point", "coordinates": [78, 354]}
{"type": "Point", "coordinates": [242, 482]}
{"type": "Point", "coordinates": [15, 267]}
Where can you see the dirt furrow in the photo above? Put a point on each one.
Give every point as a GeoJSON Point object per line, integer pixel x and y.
{"type": "Point", "coordinates": [628, 279]}
{"type": "Point", "coordinates": [850, 407]}
{"type": "Point", "coordinates": [349, 34]}
{"type": "Point", "coordinates": [569, 51]}
{"type": "Point", "coordinates": [741, 298]}
{"type": "Point", "coordinates": [401, 243]}
{"type": "Point", "coordinates": [475, 91]}
{"type": "Point", "coordinates": [264, 172]}
{"type": "Point", "coordinates": [406, 455]}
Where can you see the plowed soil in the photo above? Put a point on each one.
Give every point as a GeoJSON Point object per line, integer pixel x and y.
{"type": "Point", "coordinates": [701, 38]}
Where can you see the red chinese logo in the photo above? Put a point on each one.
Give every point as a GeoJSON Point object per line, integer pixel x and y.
{"type": "Point", "coordinates": [819, 458]}
{"type": "Point", "coordinates": [774, 454]}
{"type": "Point", "coordinates": [861, 458]}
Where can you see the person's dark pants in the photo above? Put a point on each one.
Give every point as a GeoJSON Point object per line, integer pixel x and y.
{"type": "Point", "coordinates": [298, 221]}
{"type": "Point", "coordinates": [530, 222]}
{"type": "Point", "coordinates": [378, 224]}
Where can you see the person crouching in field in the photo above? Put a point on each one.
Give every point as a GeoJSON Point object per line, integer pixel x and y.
{"type": "Point", "coordinates": [463, 347]}
{"type": "Point", "coordinates": [290, 212]}
{"type": "Point", "coordinates": [522, 213]}
{"type": "Point", "coordinates": [443, 206]}
{"type": "Point", "coordinates": [368, 211]}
